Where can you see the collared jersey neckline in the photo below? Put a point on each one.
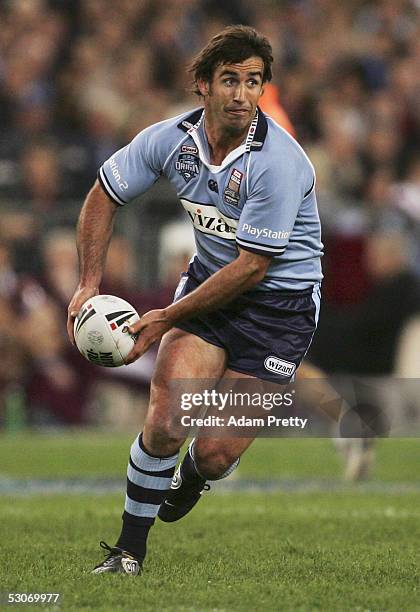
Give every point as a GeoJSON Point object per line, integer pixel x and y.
{"type": "Point", "coordinates": [194, 126]}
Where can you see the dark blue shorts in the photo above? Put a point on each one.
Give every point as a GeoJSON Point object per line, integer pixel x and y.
{"type": "Point", "coordinates": [265, 333]}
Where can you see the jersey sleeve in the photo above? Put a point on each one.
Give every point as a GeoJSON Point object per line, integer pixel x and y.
{"type": "Point", "coordinates": [272, 205]}
{"type": "Point", "coordinates": [133, 169]}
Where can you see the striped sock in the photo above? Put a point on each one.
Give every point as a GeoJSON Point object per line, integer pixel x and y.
{"type": "Point", "coordinates": [148, 479]}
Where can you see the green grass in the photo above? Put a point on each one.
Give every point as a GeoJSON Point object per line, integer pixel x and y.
{"type": "Point", "coordinates": [68, 455]}
{"type": "Point", "coordinates": [348, 549]}
{"type": "Point", "coordinates": [93, 453]}
{"type": "Point", "coordinates": [280, 551]}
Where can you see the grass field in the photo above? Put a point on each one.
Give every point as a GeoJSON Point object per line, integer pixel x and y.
{"type": "Point", "coordinates": [309, 544]}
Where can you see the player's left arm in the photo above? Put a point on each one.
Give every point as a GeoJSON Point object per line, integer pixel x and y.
{"type": "Point", "coordinates": [242, 274]}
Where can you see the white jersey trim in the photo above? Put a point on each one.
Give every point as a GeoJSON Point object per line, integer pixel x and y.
{"type": "Point", "coordinates": [105, 184]}
{"type": "Point", "coordinates": [260, 247]}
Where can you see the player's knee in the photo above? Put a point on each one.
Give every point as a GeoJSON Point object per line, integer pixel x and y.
{"type": "Point", "coordinates": [160, 439]}
{"type": "Point", "coordinates": [212, 462]}
{"type": "Point", "coordinates": [159, 432]}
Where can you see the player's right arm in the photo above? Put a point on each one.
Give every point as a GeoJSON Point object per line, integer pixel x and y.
{"type": "Point", "coordinates": [94, 231]}
{"type": "Point", "coordinates": [125, 175]}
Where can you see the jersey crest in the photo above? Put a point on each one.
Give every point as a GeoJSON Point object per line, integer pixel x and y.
{"type": "Point", "coordinates": [188, 162]}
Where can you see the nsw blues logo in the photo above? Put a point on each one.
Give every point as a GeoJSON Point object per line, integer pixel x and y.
{"type": "Point", "coordinates": [188, 162]}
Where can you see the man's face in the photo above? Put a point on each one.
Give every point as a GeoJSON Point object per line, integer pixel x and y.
{"type": "Point", "coordinates": [231, 98]}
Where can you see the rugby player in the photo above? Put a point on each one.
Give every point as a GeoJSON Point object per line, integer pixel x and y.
{"type": "Point", "coordinates": [248, 305]}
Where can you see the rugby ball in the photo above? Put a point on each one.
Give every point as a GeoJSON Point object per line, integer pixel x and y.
{"type": "Point", "coordinates": [101, 330]}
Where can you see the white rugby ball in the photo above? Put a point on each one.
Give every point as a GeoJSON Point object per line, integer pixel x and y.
{"type": "Point", "coordinates": [100, 330]}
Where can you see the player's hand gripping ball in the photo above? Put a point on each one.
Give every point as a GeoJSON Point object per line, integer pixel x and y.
{"type": "Point", "coordinates": [101, 330]}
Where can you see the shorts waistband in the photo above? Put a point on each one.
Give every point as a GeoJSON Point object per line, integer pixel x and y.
{"type": "Point", "coordinates": [200, 273]}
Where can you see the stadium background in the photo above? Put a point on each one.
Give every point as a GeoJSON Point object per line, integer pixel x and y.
{"type": "Point", "coordinates": [77, 81]}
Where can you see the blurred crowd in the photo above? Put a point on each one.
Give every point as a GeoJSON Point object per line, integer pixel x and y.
{"type": "Point", "coordinates": [79, 79]}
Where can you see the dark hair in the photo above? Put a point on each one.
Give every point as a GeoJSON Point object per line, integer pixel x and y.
{"type": "Point", "coordinates": [234, 44]}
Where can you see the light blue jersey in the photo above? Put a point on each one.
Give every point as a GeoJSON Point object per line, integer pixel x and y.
{"type": "Point", "coordinates": [261, 198]}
